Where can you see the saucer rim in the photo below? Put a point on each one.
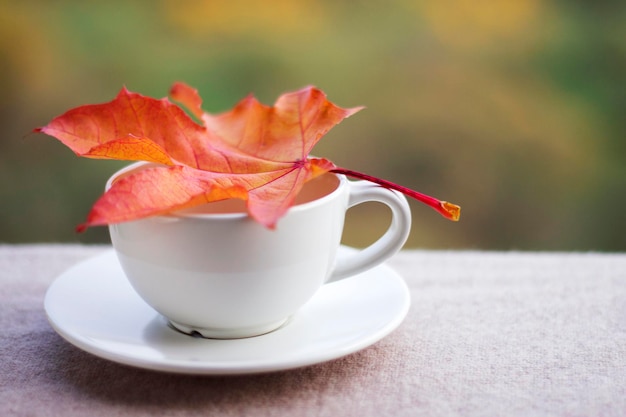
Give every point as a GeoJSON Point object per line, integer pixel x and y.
{"type": "Point", "coordinates": [236, 367]}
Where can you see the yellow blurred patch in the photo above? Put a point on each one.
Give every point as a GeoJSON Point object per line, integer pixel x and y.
{"type": "Point", "coordinates": [235, 17]}
{"type": "Point", "coordinates": [468, 23]}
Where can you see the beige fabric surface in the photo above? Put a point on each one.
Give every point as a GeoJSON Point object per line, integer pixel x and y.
{"type": "Point", "coordinates": [488, 334]}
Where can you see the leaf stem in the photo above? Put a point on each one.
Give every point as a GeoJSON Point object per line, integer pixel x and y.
{"type": "Point", "coordinates": [447, 210]}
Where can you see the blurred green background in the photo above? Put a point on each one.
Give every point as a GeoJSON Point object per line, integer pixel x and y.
{"type": "Point", "coordinates": [512, 109]}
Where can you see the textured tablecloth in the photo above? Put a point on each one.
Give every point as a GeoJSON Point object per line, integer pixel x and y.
{"type": "Point", "coordinates": [488, 334]}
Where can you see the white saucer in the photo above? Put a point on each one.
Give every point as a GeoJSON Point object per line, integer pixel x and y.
{"type": "Point", "coordinates": [93, 307]}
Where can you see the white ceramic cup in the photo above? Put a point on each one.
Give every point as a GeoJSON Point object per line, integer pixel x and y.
{"type": "Point", "coordinates": [214, 271]}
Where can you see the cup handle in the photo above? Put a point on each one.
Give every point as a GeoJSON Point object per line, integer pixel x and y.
{"type": "Point", "coordinates": [389, 243]}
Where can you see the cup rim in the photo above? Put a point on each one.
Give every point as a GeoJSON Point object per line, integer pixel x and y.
{"type": "Point", "coordinates": [342, 181]}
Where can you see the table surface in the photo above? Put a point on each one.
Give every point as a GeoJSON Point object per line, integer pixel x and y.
{"type": "Point", "coordinates": [487, 334]}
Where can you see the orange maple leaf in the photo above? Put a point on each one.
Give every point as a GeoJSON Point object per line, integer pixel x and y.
{"type": "Point", "coordinates": [253, 152]}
